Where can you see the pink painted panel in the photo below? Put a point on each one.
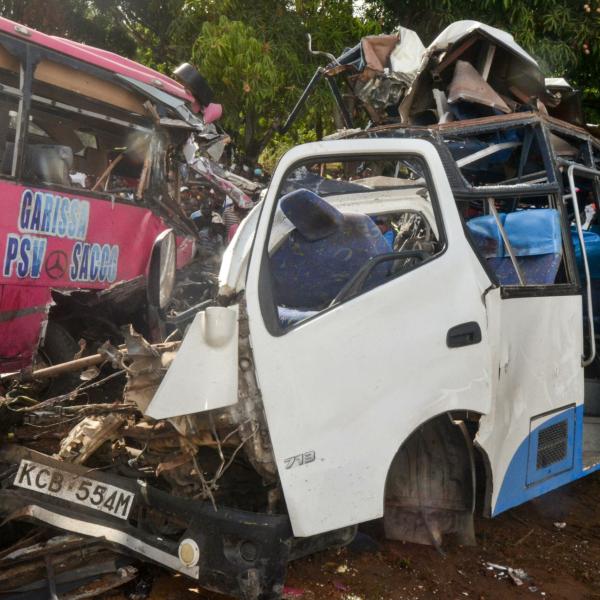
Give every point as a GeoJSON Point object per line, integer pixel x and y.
{"type": "Point", "coordinates": [22, 312]}
{"type": "Point", "coordinates": [68, 240]}
{"type": "Point", "coordinates": [62, 240]}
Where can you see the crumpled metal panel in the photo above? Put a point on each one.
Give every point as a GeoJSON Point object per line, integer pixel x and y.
{"type": "Point", "coordinates": [511, 71]}
{"type": "Point", "coordinates": [380, 92]}
{"type": "Point", "coordinates": [407, 55]}
{"type": "Point", "coordinates": [376, 50]}
{"type": "Point", "coordinates": [468, 85]}
{"type": "Point", "coordinates": [459, 30]}
{"type": "Point", "coordinates": [210, 351]}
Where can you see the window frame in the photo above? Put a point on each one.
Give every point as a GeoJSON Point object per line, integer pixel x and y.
{"type": "Point", "coordinates": [24, 55]}
{"type": "Point", "coordinates": [6, 99]}
{"type": "Point", "coordinates": [266, 298]}
{"type": "Point", "coordinates": [488, 128]}
{"type": "Point", "coordinates": [570, 287]}
{"type": "Point", "coordinates": [39, 104]}
{"type": "Point", "coordinates": [29, 56]}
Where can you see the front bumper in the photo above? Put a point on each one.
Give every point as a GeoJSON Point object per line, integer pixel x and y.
{"type": "Point", "coordinates": [240, 553]}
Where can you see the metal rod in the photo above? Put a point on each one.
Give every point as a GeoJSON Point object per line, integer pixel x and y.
{"type": "Point", "coordinates": [529, 178]}
{"type": "Point", "coordinates": [319, 73]}
{"type": "Point", "coordinates": [525, 151]}
{"type": "Point", "coordinates": [330, 56]}
{"type": "Point", "coordinates": [506, 241]}
{"type": "Point", "coordinates": [572, 168]}
{"type": "Point", "coordinates": [493, 149]}
{"type": "Point", "coordinates": [335, 90]}
{"type": "Point", "coordinates": [79, 364]}
{"type": "Point", "coordinates": [25, 79]}
{"type": "Point", "coordinates": [7, 90]}
{"type": "Point", "coordinates": [108, 171]}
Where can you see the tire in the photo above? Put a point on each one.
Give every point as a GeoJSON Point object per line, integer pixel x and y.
{"type": "Point", "coordinates": [58, 347]}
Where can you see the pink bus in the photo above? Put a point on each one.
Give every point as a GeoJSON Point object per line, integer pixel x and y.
{"type": "Point", "coordinates": [91, 152]}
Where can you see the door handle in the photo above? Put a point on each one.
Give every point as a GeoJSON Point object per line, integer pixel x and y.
{"type": "Point", "coordinates": [465, 334]}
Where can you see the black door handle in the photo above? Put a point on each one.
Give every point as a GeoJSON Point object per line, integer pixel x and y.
{"type": "Point", "coordinates": [465, 334]}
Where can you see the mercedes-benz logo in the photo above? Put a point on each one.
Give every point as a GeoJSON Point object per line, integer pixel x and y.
{"type": "Point", "coordinates": [56, 264]}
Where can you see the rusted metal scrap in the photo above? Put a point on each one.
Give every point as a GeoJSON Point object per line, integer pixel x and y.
{"type": "Point", "coordinates": [88, 435]}
{"type": "Point", "coordinates": [107, 353]}
{"type": "Point", "coordinates": [66, 566]}
{"type": "Point", "coordinates": [468, 85]}
{"type": "Point", "coordinates": [145, 366]}
{"type": "Point", "coordinates": [104, 584]}
{"type": "Point", "coordinates": [470, 70]}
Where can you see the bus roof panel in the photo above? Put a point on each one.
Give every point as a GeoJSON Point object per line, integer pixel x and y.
{"type": "Point", "coordinates": [97, 57]}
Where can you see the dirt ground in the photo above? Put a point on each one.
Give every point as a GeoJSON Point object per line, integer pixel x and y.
{"type": "Point", "coordinates": [561, 561]}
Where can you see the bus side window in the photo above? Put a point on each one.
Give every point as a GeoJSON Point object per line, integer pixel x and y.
{"type": "Point", "coordinates": [9, 108]}
{"type": "Point", "coordinates": [8, 121]}
{"type": "Point", "coordinates": [520, 239]}
{"type": "Point", "coordinates": [84, 136]}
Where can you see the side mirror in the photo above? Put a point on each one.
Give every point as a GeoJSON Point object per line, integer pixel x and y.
{"type": "Point", "coordinates": [190, 77]}
{"type": "Point", "coordinates": [161, 270]}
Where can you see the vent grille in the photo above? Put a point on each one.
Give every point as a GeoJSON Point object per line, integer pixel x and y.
{"type": "Point", "coordinates": [552, 444]}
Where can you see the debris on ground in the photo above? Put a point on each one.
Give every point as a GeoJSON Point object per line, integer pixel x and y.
{"type": "Point", "coordinates": [517, 576]}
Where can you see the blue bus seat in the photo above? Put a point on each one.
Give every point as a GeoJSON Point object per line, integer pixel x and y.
{"type": "Point", "coordinates": [535, 236]}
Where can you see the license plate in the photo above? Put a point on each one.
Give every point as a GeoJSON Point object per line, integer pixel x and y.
{"type": "Point", "coordinates": [74, 488]}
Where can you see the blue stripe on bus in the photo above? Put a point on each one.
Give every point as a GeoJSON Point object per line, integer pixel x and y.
{"type": "Point", "coordinates": [522, 469]}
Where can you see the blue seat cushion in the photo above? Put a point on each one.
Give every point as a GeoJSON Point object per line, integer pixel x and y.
{"type": "Point", "coordinates": [592, 249]}
{"type": "Point", "coordinates": [537, 270]}
{"type": "Point", "coordinates": [534, 232]}
{"type": "Point", "coordinates": [536, 239]}
{"type": "Point", "coordinates": [486, 235]}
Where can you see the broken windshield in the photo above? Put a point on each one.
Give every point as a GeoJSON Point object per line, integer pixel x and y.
{"type": "Point", "coordinates": [340, 221]}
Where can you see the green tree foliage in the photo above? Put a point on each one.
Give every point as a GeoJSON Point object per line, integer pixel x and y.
{"type": "Point", "coordinates": [80, 20]}
{"type": "Point", "coordinates": [150, 24]}
{"type": "Point", "coordinates": [243, 70]}
{"type": "Point", "coordinates": [260, 37]}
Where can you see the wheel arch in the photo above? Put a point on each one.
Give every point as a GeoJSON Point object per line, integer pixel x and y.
{"type": "Point", "coordinates": [438, 460]}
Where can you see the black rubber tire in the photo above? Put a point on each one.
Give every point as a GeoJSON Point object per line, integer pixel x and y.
{"type": "Point", "coordinates": [59, 347]}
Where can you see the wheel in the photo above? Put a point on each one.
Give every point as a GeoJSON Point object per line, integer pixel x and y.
{"type": "Point", "coordinates": [58, 347]}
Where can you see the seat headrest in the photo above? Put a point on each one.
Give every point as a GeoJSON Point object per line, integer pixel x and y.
{"type": "Point", "coordinates": [312, 216]}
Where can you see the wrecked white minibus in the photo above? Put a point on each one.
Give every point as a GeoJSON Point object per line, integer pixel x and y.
{"type": "Point", "coordinates": [404, 329]}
